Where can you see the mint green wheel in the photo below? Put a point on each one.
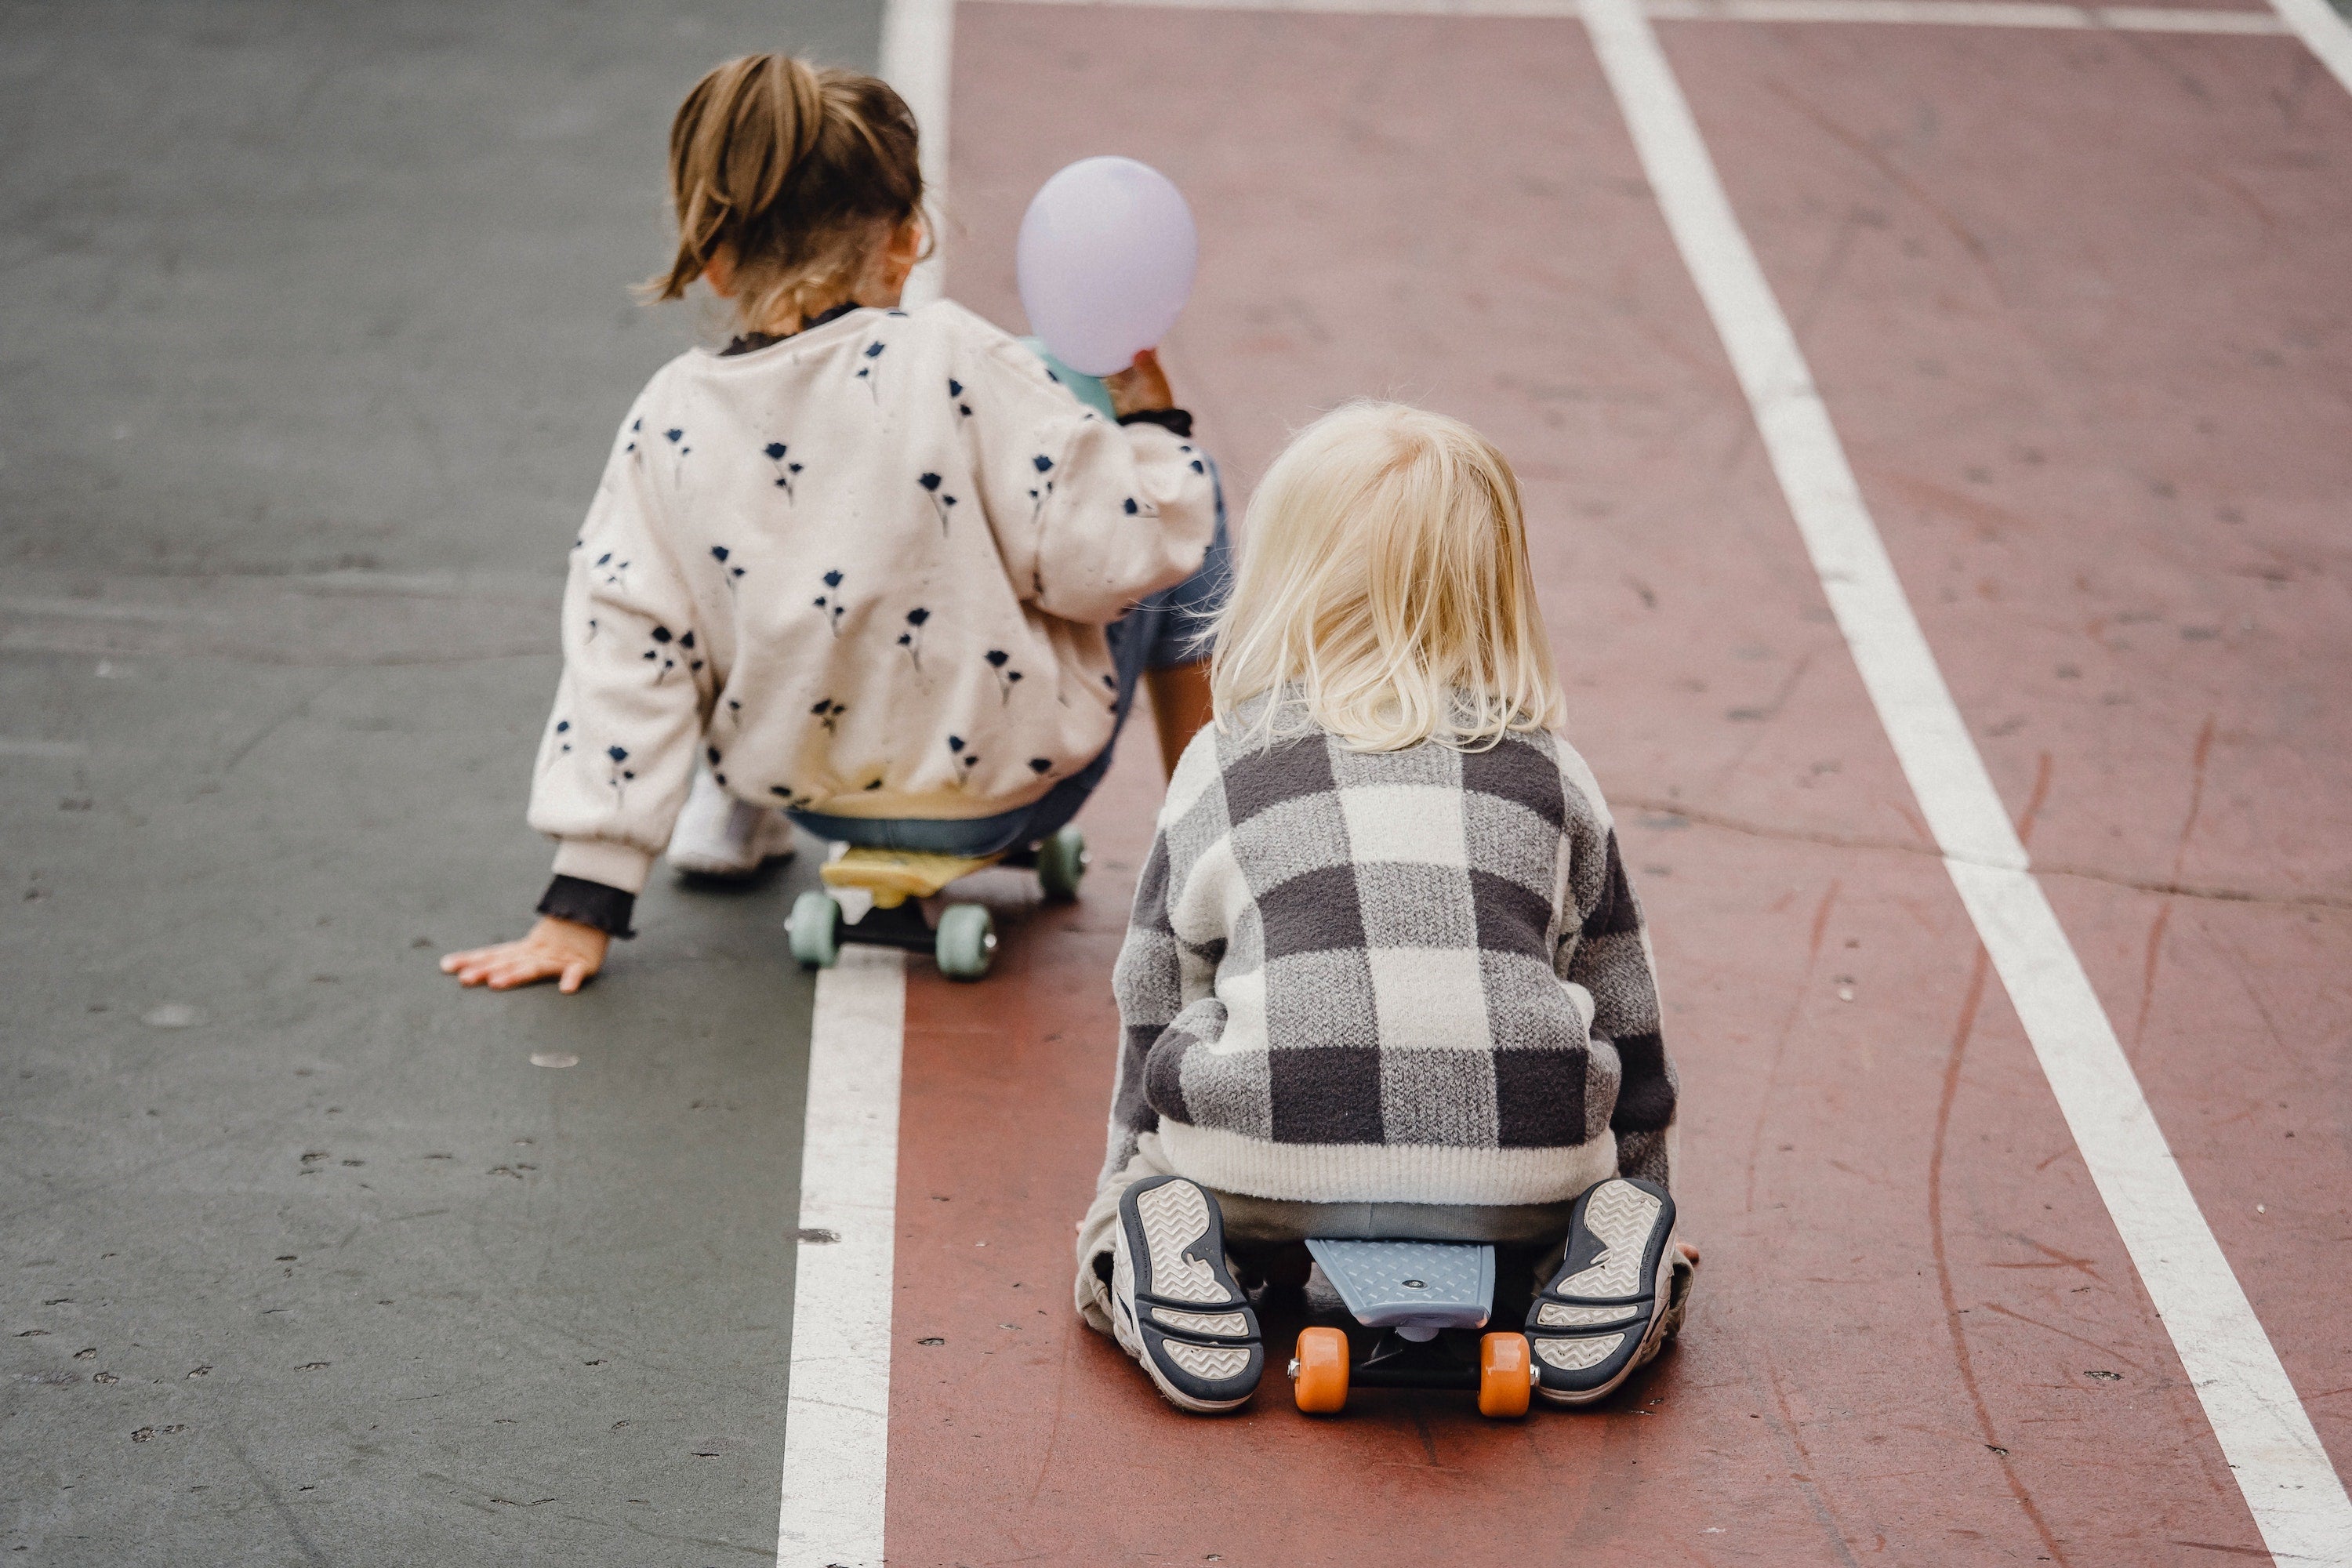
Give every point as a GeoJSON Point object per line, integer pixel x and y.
{"type": "Point", "coordinates": [814, 929]}
{"type": "Point", "coordinates": [1062, 862]}
{"type": "Point", "coordinates": [965, 943]}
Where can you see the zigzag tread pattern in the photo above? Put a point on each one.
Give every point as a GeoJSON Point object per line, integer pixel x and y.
{"type": "Point", "coordinates": [1174, 1216]}
{"type": "Point", "coordinates": [1621, 1215]}
{"type": "Point", "coordinates": [1552, 1315]}
{"type": "Point", "coordinates": [1202, 1362]}
{"type": "Point", "coordinates": [1575, 1355]}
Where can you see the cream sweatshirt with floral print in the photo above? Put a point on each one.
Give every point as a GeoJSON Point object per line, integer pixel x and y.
{"type": "Point", "coordinates": [864, 571]}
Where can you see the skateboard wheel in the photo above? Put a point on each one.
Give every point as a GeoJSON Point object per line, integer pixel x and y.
{"type": "Point", "coordinates": [814, 929]}
{"type": "Point", "coordinates": [1505, 1375]}
{"type": "Point", "coordinates": [1318, 1373]}
{"type": "Point", "coordinates": [1062, 862]}
{"type": "Point", "coordinates": [966, 943]}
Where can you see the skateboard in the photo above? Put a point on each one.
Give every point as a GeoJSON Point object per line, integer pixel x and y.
{"type": "Point", "coordinates": [875, 896]}
{"type": "Point", "coordinates": [1428, 1298]}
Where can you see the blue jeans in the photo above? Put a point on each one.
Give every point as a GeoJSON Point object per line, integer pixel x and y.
{"type": "Point", "coordinates": [1161, 632]}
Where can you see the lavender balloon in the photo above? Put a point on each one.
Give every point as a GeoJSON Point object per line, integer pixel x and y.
{"type": "Point", "coordinates": [1106, 260]}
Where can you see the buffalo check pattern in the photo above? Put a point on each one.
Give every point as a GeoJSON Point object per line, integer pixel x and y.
{"type": "Point", "coordinates": [1432, 952]}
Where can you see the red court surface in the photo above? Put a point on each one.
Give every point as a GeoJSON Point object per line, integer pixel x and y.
{"type": "Point", "coordinates": [2076, 302]}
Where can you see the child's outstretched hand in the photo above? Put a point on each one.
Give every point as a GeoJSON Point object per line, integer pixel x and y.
{"type": "Point", "coordinates": [1141, 386]}
{"type": "Point", "coordinates": [563, 951]}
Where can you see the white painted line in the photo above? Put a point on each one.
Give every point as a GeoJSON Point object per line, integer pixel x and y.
{"type": "Point", "coordinates": [1931, 12]}
{"type": "Point", "coordinates": [919, 58]}
{"type": "Point", "coordinates": [2327, 33]}
{"type": "Point", "coordinates": [837, 1415]}
{"type": "Point", "coordinates": [1966, 14]}
{"type": "Point", "coordinates": [2296, 1499]}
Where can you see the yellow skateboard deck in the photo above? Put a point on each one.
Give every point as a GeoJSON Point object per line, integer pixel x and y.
{"type": "Point", "coordinates": [894, 875]}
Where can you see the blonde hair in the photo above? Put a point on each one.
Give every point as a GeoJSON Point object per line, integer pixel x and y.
{"type": "Point", "coordinates": [799, 171]}
{"type": "Point", "coordinates": [1385, 587]}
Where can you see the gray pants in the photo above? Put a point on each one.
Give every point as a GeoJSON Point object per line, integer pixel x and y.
{"type": "Point", "coordinates": [1261, 1222]}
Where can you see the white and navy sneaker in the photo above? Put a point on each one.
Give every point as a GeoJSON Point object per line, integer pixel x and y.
{"type": "Point", "coordinates": [1613, 1303]}
{"type": "Point", "coordinates": [718, 836]}
{"type": "Point", "coordinates": [1174, 1303]}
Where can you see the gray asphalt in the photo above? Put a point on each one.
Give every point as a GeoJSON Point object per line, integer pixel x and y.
{"type": "Point", "coordinates": [317, 326]}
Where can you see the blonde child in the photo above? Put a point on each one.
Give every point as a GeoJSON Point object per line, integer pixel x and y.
{"type": "Point", "coordinates": [857, 566]}
{"type": "Point", "coordinates": [1385, 977]}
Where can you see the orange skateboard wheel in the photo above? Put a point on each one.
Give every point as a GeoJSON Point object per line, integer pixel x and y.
{"type": "Point", "coordinates": [1506, 1376]}
{"type": "Point", "coordinates": [1319, 1372]}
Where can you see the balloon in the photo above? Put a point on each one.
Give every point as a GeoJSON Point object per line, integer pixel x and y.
{"type": "Point", "coordinates": [1106, 260]}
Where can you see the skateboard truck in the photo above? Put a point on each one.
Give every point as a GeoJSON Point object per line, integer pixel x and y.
{"type": "Point", "coordinates": [873, 896]}
{"type": "Point", "coordinates": [1428, 1297]}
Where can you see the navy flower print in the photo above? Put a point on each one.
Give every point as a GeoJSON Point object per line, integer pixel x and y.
{"type": "Point", "coordinates": [830, 603]}
{"type": "Point", "coordinates": [617, 774]}
{"type": "Point", "coordinates": [827, 711]}
{"type": "Point", "coordinates": [1041, 767]}
{"type": "Point", "coordinates": [970, 759]}
{"type": "Point", "coordinates": [955, 396]}
{"type": "Point", "coordinates": [911, 640]}
{"type": "Point", "coordinates": [940, 499]}
{"type": "Point", "coordinates": [659, 655]}
{"type": "Point", "coordinates": [563, 727]}
{"type": "Point", "coordinates": [1043, 466]}
{"type": "Point", "coordinates": [872, 357]}
{"type": "Point", "coordinates": [1005, 678]}
{"type": "Point", "coordinates": [635, 426]}
{"type": "Point", "coordinates": [676, 438]}
{"type": "Point", "coordinates": [1139, 509]}
{"type": "Point", "coordinates": [786, 470]}
{"type": "Point", "coordinates": [729, 572]}
{"type": "Point", "coordinates": [616, 573]}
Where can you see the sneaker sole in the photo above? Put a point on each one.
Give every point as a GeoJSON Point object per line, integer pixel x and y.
{"type": "Point", "coordinates": [1622, 1219]}
{"type": "Point", "coordinates": [1175, 1218]}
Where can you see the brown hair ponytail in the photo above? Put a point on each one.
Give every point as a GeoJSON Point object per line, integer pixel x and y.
{"type": "Point", "coordinates": [798, 172]}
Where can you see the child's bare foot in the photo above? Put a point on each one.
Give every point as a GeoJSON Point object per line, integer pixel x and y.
{"type": "Point", "coordinates": [563, 951]}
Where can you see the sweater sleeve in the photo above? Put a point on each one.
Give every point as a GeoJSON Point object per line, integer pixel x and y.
{"type": "Point", "coordinates": [1610, 958]}
{"type": "Point", "coordinates": [1148, 984]}
{"type": "Point", "coordinates": [618, 754]}
{"type": "Point", "coordinates": [1089, 515]}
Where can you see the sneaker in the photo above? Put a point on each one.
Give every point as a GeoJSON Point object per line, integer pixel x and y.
{"type": "Point", "coordinates": [1613, 1303]}
{"type": "Point", "coordinates": [1174, 1305]}
{"type": "Point", "coordinates": [718, 836]}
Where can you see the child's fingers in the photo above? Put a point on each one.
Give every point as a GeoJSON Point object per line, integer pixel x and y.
{"type": "Point", "coordinates": [523, 968]}
{"type": "Point", "coordinates": [576, 975]}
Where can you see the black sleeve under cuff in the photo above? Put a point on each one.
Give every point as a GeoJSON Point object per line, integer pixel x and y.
{"type": "Point", "coordinates": [587, 903]}
{"type": "Point", "coordinates": [1177, 422]}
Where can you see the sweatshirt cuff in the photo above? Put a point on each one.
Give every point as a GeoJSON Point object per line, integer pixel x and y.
{"type": "Point", "coordinates": [1177, 422]}
{"type": "Point", "coordinates": [602, 860]}
{"type": "Point", "coordinates": [587, 903]}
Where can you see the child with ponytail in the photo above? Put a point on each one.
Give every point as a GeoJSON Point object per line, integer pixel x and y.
{"type": "Point", "coordinates": [856, 568]}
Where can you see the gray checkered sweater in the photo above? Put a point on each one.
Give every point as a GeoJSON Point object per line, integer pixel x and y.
{"type": "Point", "coordinates": [1413, 976]}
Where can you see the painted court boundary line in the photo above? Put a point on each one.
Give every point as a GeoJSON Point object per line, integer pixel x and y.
{"type": "Point", "coordinates": [2297, 1501]}
{"type": "Point", "coordinates": [837, 1413]}
{"type": "Point", "coordinates": [2323, 32]}
{"type": "Point", "coordinates": [917, 57]}
{"type": "Point", "coordinates": [1933, 13]}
